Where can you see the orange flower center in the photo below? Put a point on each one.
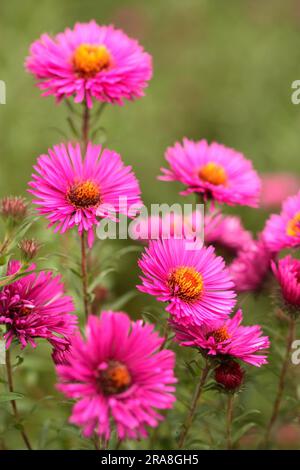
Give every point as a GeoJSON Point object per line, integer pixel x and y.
{"type": "Point", "coordinates": [221, 334]}
{"type": "Point", "coordinates": [89, 59]}
{"type": "Point", "coordinates": [115, 379]}
{"type": "Point", "coordinates": [186, 283]}
{"type": "Point", "coordinates": [84, 195]}
{"type": "Point", "coordinates": [213, 173]}
{"type": "Point", "coordinates": [293, 226]}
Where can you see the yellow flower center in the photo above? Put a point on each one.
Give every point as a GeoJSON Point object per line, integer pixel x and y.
{"type": "Point", "coordinates": [89, 59]}
{"type": "Point", "coordinates": [213, 173]}
{"type": "Point", "coordinates": [84, 195]}
{"type": "Point", "coordinates": [221, 334]}
{"type": "Point", "coordinates": [293, 226]}
{"type": "Point", "coordinates": [186, 283]}
{"type": "Point", "coordinates": [115, 379]}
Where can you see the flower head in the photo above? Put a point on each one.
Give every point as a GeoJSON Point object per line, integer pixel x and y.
{"type": "Point", "coordinates": [169, 225]}
{"type": "Point", "coordinates": [35, 306]}
{"type": "Point", "coordinates": [218, 172]}
{"type": "Point", "coordinates": [119, 375]}
{"type": "Point", "coordinates": [283, 230]}
{"type": "Point", "coordinates": [287, 273]}
{"type": "Point", "coordinates": [276, 187]}
{"type": "Point", "coordinates": [71, 191]}
{"type": "Point", "coordinates": [90, 62]}
{"type": "Point", "coordinates": [226, 234]}
{"type": "Point", "coordinates": [228, 339]}
{"type": "Point", "coordinates": [250, 268]}
{"type": "Point", "coordinates": [195, 283]}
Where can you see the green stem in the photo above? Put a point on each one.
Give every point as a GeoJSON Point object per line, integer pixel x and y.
{"type": "Point", "coordinates": [190, 416]}
{"type": "Point", "coordinates": [13, 402]}
{"type": "Point", "coordinates": [282, 378]}
{"type": "Point", "coordinates": [85, 126]}
{"type": "Point", "coordinates": [84, 275]}
{"type": "Point", "coordinates": [229, 417]}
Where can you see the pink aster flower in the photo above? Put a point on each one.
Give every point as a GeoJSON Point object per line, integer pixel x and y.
{"type": "Point", "coordinates": [90, 62]}
{"type": "Point", "coordinates": [35, 306]}
{"type": "Point", "coordinates": [195, 283]}
{"type": "Point", "coordinates": [283, 231]}
{"type": "Point", "coordinates": [227, 234]}
{"type": "Point", "coordinates": [276, 187]}
{"type": "Point", "coordinates": [118, 375]}
{"type": "Point", "coordinates": [250, 268]}
{"type": "Point", "coordinates": [287, 272]}
{"type": "Point", "coordinates": [170, 225]}
{"type": "Point", "coordinates": [218, 172]}
{"type": "Point", "coordinates": [71, 191]}
{"type": "Point", "coordinates": [227, 338]}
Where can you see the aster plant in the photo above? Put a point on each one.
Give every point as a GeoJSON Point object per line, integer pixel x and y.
{"type": "Point", "coordinates": [118, 372]}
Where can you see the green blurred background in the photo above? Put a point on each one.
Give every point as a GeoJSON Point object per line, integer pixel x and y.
{"type": "Point", "coordinates": [223, 71]}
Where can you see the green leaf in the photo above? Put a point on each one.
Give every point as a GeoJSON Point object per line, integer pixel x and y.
{"type": "Point", "coordinates": [242, 416]}
{"type": "Point", "coordinates": [10, 397]}
{"type": "Point", "coordinates": [100, 277]}
{"type": "Point", "coordinates": [242, 431]}
{"type": "Point", "coordinates": [4, 281]}
{"type": "Point", "coordinates": [123, 300]}
{"type": "Point", "coordinates": [72, 126]}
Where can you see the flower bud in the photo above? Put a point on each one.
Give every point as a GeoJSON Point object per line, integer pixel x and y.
{"type": "Point", "coordinates": [230, 376]}
{"type": "Point", "coordinates": [29, 248]}
{"type": "Point", "coordinates": [13, 208]}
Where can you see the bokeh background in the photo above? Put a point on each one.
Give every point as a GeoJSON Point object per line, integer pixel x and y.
{"type": "Point", "coordinates": [222, 70]}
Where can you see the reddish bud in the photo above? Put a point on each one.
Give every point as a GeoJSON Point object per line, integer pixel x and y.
{"type": "Point", "coordinates": [230, 375]}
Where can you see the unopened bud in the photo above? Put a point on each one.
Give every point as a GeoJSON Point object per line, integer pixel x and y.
{"type": "Point", "coordinates": [13, 208]}
{"type": "Point", "coordinates": [29, 248]}
{"type": "Point", "coordinates": [230, 375]}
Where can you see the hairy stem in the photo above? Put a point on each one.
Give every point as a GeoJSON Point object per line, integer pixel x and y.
{"type": "Point", "coordinates": [190, 416]}
{"type": "Point", "coordinates": [85, 139]}
{"type": "Point", "coordinates": [85, 126]}
{"type": "Point", "coordinates": [229, 417]}
{"type": "Point", "coordinates": [13, 402]}
{"type": "Point", "coordinates": [84, 274]}
{"type": "Point", "coordinates": [282, 377]}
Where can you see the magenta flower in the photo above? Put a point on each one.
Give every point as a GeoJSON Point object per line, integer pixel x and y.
{"type": "Point", "coordinates": [73, 191]}
{"type": "Point", "coordinates": [227, 234]}
{"type": "Point", "coordinates": [90, 62]}
{"type": "Point", "coordinates": [218, 172]}
{"type": "Point", "coordinates": [169, 225]}
{"type": "Point", "coordinates": [276, 187]}
{"type": "Point", "coordinates": [195, 283]}
{"type": "Point", "coordinates": [35, 306]}
{"type": "Point", "coordinates": [227, 338]}
{"type": "Point", "coordinates": [118, 375]}
{"type": "Point", "coordinates": [250, 268]}
{"type": "Point", "coordinates": [283, 231]}
{"type": "Point", "coordinates": [287, 273]}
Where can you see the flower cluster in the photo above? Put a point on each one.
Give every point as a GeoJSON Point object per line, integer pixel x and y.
{"type": "Point", "coordinates": [118, 371]}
